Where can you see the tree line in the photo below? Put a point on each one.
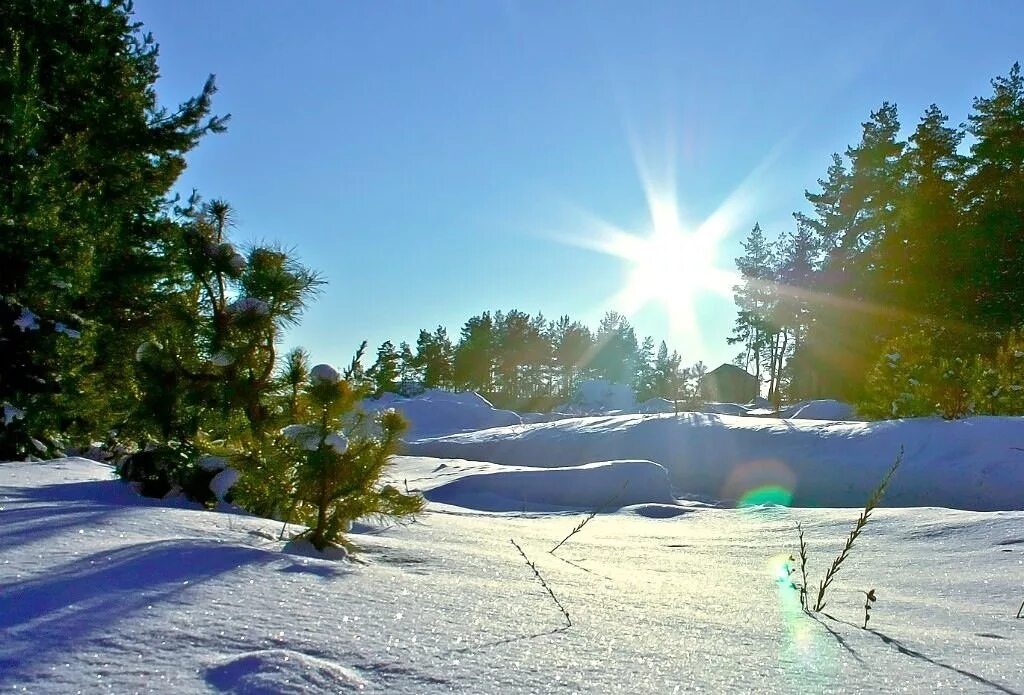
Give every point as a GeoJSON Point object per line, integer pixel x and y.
{"type": "Point", "coordinates": [908, 231]}
{"type": "Point", "coordinates": [528, 362]}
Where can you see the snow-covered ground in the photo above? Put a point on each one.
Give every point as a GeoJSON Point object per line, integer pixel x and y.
{"type": "Point", "coordinates": [101, 590]}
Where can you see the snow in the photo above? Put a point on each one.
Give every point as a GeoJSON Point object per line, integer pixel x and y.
{"type": "Point", "coordinates": [325, 372]}
{"type": "Point", "coordinates": [101, 590]}
{"type": "Point", "coordinates": [337, 441]}
{"type": "Point", "coordinates": [819, 410]}
{"type": "Point", "coordinates": [305, 436]}
{"type": "Point", "coordinates": [222, 359]}
{"type": "Point", "coordinates": [964, 464]}
{"type": "Point", "coordinates": [435, 412]}
{"type": "Point", "coordinates": [69, 332]}
{"type": "Point", "coordinates": [252, 305]}
{"type": "Point", "coordinates": [600, 396]}
{"type": "Point", "coordinates": [8, 413]}
{"type": "Point", "coordinates": [222, 483]}
{"type": "Point", "coordinates": [27, 321]}
{"type": "Point", "coordinates": [601, 485]}
{"type": "Point", "coordinates": [147, 348]}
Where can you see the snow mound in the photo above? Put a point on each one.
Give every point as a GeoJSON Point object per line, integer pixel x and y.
{"type": "Point", "coordinates": [272, 671]}
{"type": "Point", "coordinates": [657, 405]}
{"type": "Point", "coordinates": [303, 548]}
{"type": "Point", "coordinates": [819, 410]}
{"type": "Point", "coordinates": [601, 485]}
{"type": "Point", "coordinates": [972, 464]}
{"type": "Point", "coordinates": [724, 408]}
{"type": "Point", "coordinates": [435, 412]}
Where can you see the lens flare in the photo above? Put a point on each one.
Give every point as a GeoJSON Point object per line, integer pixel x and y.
{"type": "Point", "coordinates": [766, 481]}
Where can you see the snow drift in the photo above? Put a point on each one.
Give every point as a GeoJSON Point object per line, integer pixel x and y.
{"type": "Point", "coordinates": [604, 485]}
{"type": "Point", "coordinates": [966, 464]}
{"type": "Point", "coordinates": [436, 412]}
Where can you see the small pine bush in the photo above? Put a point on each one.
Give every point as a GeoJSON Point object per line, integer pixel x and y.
{"type": "Point", "coordinates": [340, 456]}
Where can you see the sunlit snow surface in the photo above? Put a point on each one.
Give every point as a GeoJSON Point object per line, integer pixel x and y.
{"type": "Point", "coordinates": [103, 591]}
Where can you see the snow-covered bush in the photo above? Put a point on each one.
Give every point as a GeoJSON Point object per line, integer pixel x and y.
{"type": "Point", "coordinates": [325, 470]}
{"type": "Point", "coordinates": [338, 481]}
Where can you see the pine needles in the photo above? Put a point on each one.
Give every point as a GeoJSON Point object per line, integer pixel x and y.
{"type": "Point", "coordinates": [537, 575]}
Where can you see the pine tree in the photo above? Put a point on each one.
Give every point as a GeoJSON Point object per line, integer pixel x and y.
{"type": "Point", "coordinates": [755, 299]}
{"type": "Point", "coordinates": [571, 344]}
{"type": "Point", "coordinates": [995, 203]}
{"type": "Point", "coordinates": [340, 457]}
{"type": "Point", "coordinates": [87, 158]}
{"type": "Point", "coordinates": [645, 375]}
{"type": "Point", "coordinates": [615, 350]}
{"type": "Point", "coordinates": [386, 369]}
{"type": "Point", "coordinates": [214, 350]}
{"type": "Point", "coordinates": [474, 359]}
{"type": "Point", "coordinates": [434, 358]}
{"type": "Point", "coordinates": [923, 264]}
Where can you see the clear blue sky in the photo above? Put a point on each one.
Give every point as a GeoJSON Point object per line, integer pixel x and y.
{"type": "Point", "coordinates": [427, 156]}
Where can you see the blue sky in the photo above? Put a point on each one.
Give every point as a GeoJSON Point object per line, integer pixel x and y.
{"type": "Point", "coordinates": [430, 158]}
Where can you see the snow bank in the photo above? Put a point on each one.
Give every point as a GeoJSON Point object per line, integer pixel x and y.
{"type": "Point", "coordinates": [603, 485]}
{"type": "Point", "coordinates": [819, 410]}
{"type": "Point", "coordinates": [966, 464]}
{"type": "Point", "coordinates": [436, 412]}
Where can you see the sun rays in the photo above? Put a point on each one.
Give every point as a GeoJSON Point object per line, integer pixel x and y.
{"type": "Point", "coordinates": [672, 265]}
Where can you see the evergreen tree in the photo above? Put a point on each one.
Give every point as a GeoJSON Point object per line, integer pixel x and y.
{"type": "Point", "coordinates": [994, 196]}
{"type": "Point", "coordinates": [645, 386]}
{"type": "Point", "coordinates": [615, 350]}
{"type": "Point", "coordinates": [386, 369]}
{"type": "Point", "coordinates": [87, 158]}
{"type": "Point", "coordinates": [669, 379]}
{"type": "Point", "coordinates": [434, 358]}
{"type": "Point", "coordinates": [408, 370]}
{"type": "Point", "coordinates": [474, 359]}
{"type": "Point", "coordinates": [571, 344]}
{"type": "Point", "coordinates": [755, 299]}
{"type": "Point", "coordinates": [340, 459]}
{"type": "Point", "coordinates": [214, 349]}
{"type": "Point", "coordinates": [923, 264]}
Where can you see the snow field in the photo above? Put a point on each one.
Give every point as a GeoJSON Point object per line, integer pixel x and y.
{"type": "Point", "coordinates": [103, 591]}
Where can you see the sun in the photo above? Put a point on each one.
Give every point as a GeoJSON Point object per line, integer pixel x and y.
{"type": "Point", "coordinates": [670, 265]}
